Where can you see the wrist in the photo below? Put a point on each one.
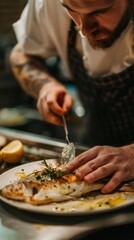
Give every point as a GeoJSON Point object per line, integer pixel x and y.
{"type": "Point", "coordinates": [50, 83]}
{"type": "Point", "coordinates": [129, 148]}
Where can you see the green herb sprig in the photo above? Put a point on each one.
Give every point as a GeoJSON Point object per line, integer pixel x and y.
{"type": "Point", "coordinates": [51, 172]}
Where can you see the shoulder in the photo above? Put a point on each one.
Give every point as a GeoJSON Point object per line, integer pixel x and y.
{"type": "Point", "coordinates": [50, 9]}
{"type": "Point", "coordinates": [49, 5]}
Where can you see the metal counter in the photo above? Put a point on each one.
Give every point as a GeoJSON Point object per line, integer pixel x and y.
{"type": "Point", "coordinates": [18, 224]}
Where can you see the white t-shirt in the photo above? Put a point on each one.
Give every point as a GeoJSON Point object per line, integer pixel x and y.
{"type": "Point", "coordinates": [43, 30]}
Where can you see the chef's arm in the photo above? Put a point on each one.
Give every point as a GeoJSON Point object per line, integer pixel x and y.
{"type": "Point", "coordinates": [29, 71]}
{"type": "Point", "coordinates": [53, 99]}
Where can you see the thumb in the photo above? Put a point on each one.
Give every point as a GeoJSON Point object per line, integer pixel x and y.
{"type": "Point", "coordinates": [67, 104]}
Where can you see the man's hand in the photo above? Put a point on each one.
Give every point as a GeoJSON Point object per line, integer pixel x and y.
{"type": "Point", "coordinates": [54, 101]}
{"type": "Point", "coordinates": [103, 161]}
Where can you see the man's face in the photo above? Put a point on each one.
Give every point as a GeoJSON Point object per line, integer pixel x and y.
{"type": "Point", "coordinates": [101, 21]}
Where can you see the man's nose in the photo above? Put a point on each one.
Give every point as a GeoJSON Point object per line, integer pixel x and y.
{"type": "Point", "coordinates": [88, 25]}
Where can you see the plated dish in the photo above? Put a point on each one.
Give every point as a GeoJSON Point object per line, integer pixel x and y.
{"type": "Point", "coordinates": [94, 202]}
{"type": "Point", "coordinates": [11, 117]}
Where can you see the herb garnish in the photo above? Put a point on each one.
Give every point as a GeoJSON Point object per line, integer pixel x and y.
{"type": "Point", "coordinates": [51, 172]}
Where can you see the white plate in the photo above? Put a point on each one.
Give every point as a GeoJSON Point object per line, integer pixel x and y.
{"type": "Point", "coordinates": [75, 207]}
{"type": "Point", "coordinates": [12, 117]}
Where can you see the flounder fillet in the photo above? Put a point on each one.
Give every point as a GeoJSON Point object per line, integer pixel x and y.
{"type": "Point", "coordinates": [52, 185]}
{"type": "Point", "coordinates": [40, 187]}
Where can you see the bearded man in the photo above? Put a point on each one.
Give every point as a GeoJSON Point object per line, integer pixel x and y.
{"type": "Point", "coordinates": [95, 42]}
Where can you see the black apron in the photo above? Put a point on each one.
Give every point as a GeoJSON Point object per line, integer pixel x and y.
{"type": "Point", "coordinates": [108, 101]}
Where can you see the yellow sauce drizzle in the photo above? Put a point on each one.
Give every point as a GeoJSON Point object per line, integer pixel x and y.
{"type": "Point", "coordinates": [20, 174]}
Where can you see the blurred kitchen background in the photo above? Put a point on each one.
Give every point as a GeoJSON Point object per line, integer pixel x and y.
{"type": "Point", "coordinates": [17, 109]}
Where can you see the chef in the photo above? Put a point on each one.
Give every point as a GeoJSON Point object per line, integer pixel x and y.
{"type": "Point", "coordinates": [95, 42]}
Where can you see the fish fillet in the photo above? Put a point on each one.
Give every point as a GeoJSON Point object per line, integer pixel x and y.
{"type": "Point", "coordinates": [40, 187]}
{"type": "Point", "coordinates": [52, 185]}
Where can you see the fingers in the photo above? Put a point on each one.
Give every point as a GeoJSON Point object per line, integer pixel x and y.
{"type": "Point", "coordinates": [114, 182]}
{"type": "Point", "coordinates": [68, 101]}
{"type": "Point", "coordinates": [99, 173]}
{"type": "Point", "coordinates": [87, 168]}
{"type": "Point", "coordinates": [46, 112]}
{"type": "Point", "coordinates": [53, 104]}
{"type": "Point", "coordinates": [60, 103]}
{"type": "Point", "coordinates": [103, 172]}
{"type": "Point", "coordinates": [101, 162]}
{"type": "Point", "coordinates": [50, 116]}
{"type": "Point", "coordinates": [83, 158]}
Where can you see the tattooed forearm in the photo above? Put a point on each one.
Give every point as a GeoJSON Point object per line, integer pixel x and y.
{"type": "Point", "coordinates": [29, 65]}
{"type": "Point", "coordinates": [35, 77]}
{"type": "Point", "coordinates": [34, 82]}
{"type": "Point", "coordinates": [30, 72]}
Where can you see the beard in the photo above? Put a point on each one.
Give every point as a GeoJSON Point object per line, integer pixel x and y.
{"type": "Point", "coordinates": [113, 35]}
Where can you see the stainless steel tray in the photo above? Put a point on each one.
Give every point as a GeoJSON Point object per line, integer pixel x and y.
{"type": "Point", "coordinates": [38, 140]}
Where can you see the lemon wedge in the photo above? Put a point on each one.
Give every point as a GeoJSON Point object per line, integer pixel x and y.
{"type": "Point", "coordinates": [3, 141]}
{"type": "Point", "coordinates": [12, 152]}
